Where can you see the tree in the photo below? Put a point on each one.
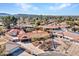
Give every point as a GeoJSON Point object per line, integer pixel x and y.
{"type": "Point", "coordinates": [7, 20]}
{"type": "Point", "coordinates": [37, 22]}
{"type": "Point", "coordinates": [69, 18]}
{"type": "Point", "coordinates": [14, 20]}
{"type": "Point", "coordinates": [71, 23]}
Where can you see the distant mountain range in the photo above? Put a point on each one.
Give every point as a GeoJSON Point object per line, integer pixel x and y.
{"type": "Point", "coordinates": [6, 14]}
{"type": "Point", "coordinates": [17, 15]}
{"type": "Point", "coordinates": [33, 15]}
{"type": "Point", "coordinates": [25, 15]}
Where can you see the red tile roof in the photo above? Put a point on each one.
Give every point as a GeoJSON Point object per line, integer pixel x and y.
{"type": "Point", "coordinates": [13, 30]}
{"type": "Point", "coordinates": [22, 35]}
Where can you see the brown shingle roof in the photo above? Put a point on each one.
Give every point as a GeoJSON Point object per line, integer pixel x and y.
{"type": "Point", "coordinates": [53, 26]}
{"type": "Point", "coordinates": [52, 53]}
{"type": "Point", "coordinates": [37, 33]}
{"type": "Point", "coordinates": [3, 40]}
{"type": "Point", "coordinates": [74, 36]}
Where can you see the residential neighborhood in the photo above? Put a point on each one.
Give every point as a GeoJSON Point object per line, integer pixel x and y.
{"type": "Point", "coordinates": [39, 35]}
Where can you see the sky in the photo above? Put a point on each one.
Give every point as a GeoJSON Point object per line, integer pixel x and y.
{"type": "Point", "coordinates": [40, 8]}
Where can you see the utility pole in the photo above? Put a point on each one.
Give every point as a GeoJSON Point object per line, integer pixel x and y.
{"type": "Point", "coordinates": [53, 43]}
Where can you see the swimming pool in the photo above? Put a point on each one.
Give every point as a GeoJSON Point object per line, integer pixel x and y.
{"type": "Point", "coordinates": [16, 51]}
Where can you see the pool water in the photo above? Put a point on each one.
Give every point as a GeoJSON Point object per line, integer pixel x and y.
{"type": "Point", "coordinates": [16, 51]}
{"type": "Point", "coordinates": [77, 32]}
